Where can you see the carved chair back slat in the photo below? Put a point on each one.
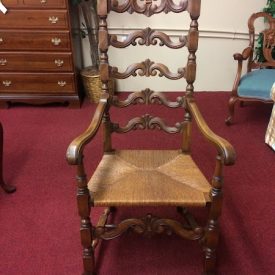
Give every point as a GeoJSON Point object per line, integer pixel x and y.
{"type": "Point", "coordinates": [147, 97]}
{"type": "Point", "coordinates": [147, 68]}
{"type": "Point", "coordinates": [147, 37]}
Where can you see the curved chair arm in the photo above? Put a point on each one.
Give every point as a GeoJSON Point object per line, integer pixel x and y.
{"type": "Point", "coordinates": [244, 55]}
{"type": "Point", "coordinates": [240, 57]}
{"type": "Point", "coordinates": [74, 151]}
{"type": "Point", "coordinates": [225, 149]}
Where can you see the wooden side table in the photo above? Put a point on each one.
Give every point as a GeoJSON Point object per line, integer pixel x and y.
{"type": "Point", "coordinates": [8, 188]}
{"type": "Point", "coordinates": [270, 132]}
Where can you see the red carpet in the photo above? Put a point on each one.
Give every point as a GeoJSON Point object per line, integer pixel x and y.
{"type": "Point", "coordinates": [39, 231]}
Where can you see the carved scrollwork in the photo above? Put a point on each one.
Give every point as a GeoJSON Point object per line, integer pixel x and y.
{"type": "Point", "coordinates": [137, 123]}
{"type": "Point", "coordinates": [159, 98]}
{"type": "Point", "coordinates": [141, 97]}
{"type": "Point", "coordinates": [148, 37]}
{"type": "Point", "coordinates": [147, 7]}
{"type": "Point", "coordinates": [147, 226]}
{"type": "Point", "coordinates": [147, 122]}
{"type": "Point", "coordinates": [269, 45]}
{"type": "Point", "coordinates": [269, 38]}
{"type": "Point", "coordinates": [158, 123]}
{"type": "Point", "coordinates": [148, 96]}
{"type": "Point", "coordinates": [147, 68]}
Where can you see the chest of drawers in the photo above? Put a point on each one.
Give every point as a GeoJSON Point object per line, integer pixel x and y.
{"type": "Point", "coordinates": [40, 55]}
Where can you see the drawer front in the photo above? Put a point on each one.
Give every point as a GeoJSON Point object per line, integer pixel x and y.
{"type": "Point", "coordinates": [34, 3]}
{"type": "Point", "coordinates": [37, 83]}
{"type": "Point", "coordinates": [34, 40]}
{"type": "Point", "coordinates": [46, 62]}
{"type": "Point", "coordinates": [34, 19]}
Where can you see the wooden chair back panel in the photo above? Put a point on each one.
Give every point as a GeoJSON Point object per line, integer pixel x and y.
{"type": "Point", "coordinates": [268, 40]}
{"type": "Point", "coordinates": [147, 68]}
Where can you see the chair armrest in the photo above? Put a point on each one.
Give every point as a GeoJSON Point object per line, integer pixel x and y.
{"type": "Point", "coordinates": [244, 55]}
{"type": "Point", "coordinates": [75, 149]}
{"type": "Point", "coordinates": [225, 149]}
{"type": "Point", "coordinates": [240, 57]}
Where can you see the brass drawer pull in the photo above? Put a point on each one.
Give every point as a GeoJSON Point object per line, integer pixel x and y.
{"type": "Point", "coordinates": [1, 40]}
{"type": "Point", "coordinates": [59, 62]}
{"type": "Point", "coordinates": [3, 62]}
{"type": "Point", "coordinates": [61, 83]}
{"type": "Point", "coordinates": [56, 41]}
{"type": "Point", "coordinates": [53, 19]}
{"type": "Point", "coordinates": [6, 83]}
{"type": "Point", "coordinates": [43, 1]}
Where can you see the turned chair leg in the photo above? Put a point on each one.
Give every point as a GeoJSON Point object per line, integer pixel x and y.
{"type": "Point", "coordinates": [84, 210]}
{"type": "Point", "coordinates": [211, 237]}
{"type": "Point", "coordinates": [210, 244]}
{"type": "Point", "coordinates": [88, 250]}
{"type": "Point", "coordinates": [88, 256]}
{"type": "Point", "coordinates": [7, 188]}
{"type": "Point", "coordinates": [88, 261]}
{"type": "Point", "coordinates": [231, 106]}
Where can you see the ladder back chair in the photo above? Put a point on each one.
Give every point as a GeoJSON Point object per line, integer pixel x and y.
{"type": "Point", "coordinates": [159, 178]}
{"type": "Point", "coordinates": [256, 83]}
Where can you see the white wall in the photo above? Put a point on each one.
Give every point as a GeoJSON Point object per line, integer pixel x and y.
{"type": "Point", "coordinates": [223, 32]}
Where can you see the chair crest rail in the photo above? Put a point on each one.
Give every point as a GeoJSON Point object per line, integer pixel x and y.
{"type": "Point", "coordinates": [147, 68]}
{"type": "Point", "coordinates": [148, 37]}
{"type": "Point", "coordinates": [147, 122]}
{"type": "Point", "coordinates": [147, 7]}
{"type": "Point", "coordinates": [147, 97]}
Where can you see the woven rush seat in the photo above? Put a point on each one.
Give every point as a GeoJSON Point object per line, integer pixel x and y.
{"type": "Point", "coordinates": [148, 177]}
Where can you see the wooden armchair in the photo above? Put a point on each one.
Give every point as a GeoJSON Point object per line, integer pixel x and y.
{"type": "Point", "coordinates": [159, 178]}
{"type": "Point", "coordinates": [256, 83]}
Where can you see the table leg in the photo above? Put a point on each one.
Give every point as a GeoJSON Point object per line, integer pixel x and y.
{"type": "Point", "coordinates": [7, 188]}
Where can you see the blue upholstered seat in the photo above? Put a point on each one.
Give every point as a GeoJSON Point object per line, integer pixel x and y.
{"type": "Point", "coordinates": [257, 84]}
